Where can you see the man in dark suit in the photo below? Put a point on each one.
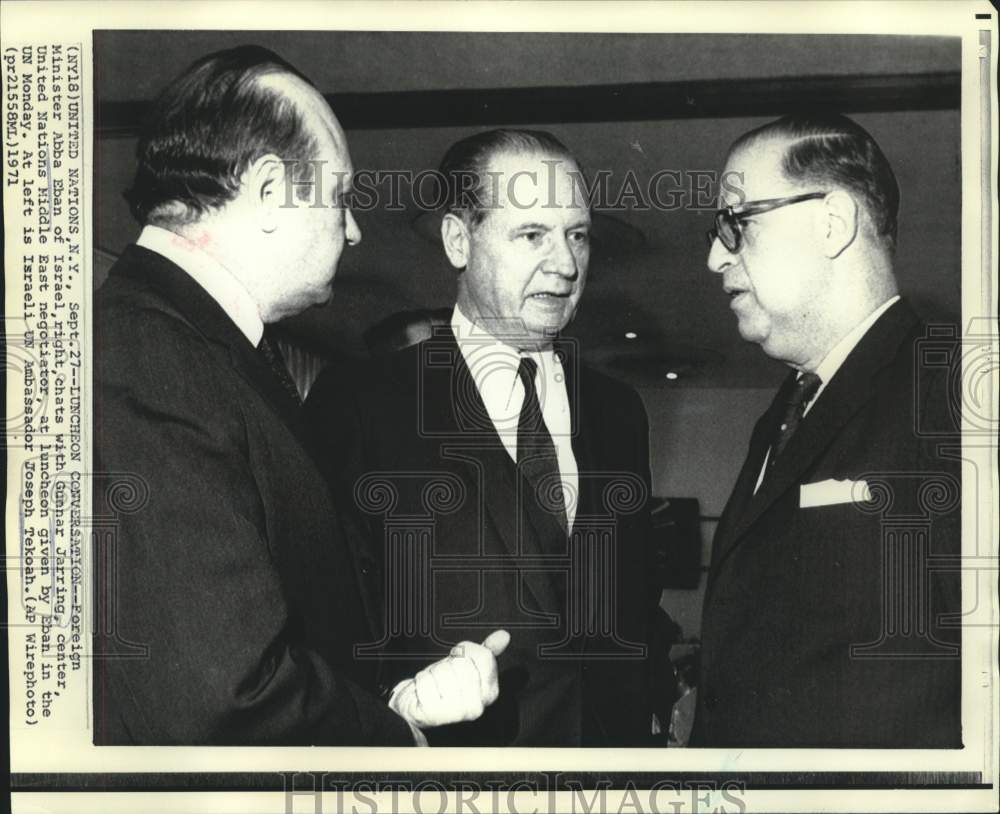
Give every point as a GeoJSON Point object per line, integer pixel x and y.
{"type": "Point", "coordinates": [507, 481]}
{"type": "Point", "coordinates": [231, 582]}
{"type": "Point", "coordinates": [831, 614]}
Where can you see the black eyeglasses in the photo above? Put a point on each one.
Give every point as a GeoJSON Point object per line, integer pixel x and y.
{"type": "Point", "coordinates": [729, 228]}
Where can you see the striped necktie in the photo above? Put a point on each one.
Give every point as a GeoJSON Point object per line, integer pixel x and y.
{"type": "Point", "coordinates": [794, 407]}
{"type": "Point", "coordinates": [268, 348]}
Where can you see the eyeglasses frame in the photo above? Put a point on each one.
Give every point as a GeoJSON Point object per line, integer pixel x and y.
{"type": "Point", "coordinates": [733, 215]}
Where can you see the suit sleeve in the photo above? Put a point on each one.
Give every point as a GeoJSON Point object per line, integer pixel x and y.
{"type": "Point", "coordinates": [198, 583]}
{"type": "Point", "coordinates": [661, 629]}
{"type": "Point", "coordinates": [332, 415]}
{"type": "Point", "coordinates": [938, 697]}
{"type": "Point", "coordinates": [338, 426]}
{"type": "Point", "coordinates": [653, 587]}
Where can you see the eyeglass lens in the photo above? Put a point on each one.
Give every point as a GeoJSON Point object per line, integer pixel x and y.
{"type": "Point", "coordinates": [727, 230]}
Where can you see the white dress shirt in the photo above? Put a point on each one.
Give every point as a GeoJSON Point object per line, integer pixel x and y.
{"type": "Point", "coordinates": [831, 364]}
{"type": "Point", "coordinates": [493, 366]}
{"type": "Point", "coordinates": [216, 279]}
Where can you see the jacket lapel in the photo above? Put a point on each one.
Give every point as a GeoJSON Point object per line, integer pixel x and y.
{"type": "Point", "coordinates": [451, 392]}
{"type": "Point", "coordinates": [742, 492]}
{"type": "Point", "coordinates": [848, 391]}
{"type": "Point", "coordinates": [586, 430]}
{"type": "Point", "coordinates": [209, 319]}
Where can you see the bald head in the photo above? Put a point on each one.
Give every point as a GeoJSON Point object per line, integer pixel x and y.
{"type": "Point", "coordinates": [315, 116]}
{"type": "Point", "coordinates": [212, 121]}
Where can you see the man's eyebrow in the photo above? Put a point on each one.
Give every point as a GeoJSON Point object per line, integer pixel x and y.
{"type": "Point", "coordinates": [545, 227]}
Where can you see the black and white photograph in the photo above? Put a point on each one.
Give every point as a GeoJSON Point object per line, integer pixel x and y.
{"type": "Point", "coordinates": [538, 410]}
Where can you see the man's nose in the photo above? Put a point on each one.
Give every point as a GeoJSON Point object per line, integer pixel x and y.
{"type": "Point", "coordinates": [352, 232]}
{"type": "Point", "coordinates": [562, 260]}
{"type": "Point", "coordinates": [719, 257]}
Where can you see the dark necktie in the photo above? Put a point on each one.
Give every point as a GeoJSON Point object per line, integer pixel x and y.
{"type": "Point", "coordinates": [536, 453]}
{"type": "Point", "coordinates": [792, 409]}
{"type": "Point", "coordinates": [272, 355]}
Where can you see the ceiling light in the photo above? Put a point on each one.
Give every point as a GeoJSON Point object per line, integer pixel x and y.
{"type": "Point", "coordinates": [671, 375]}
{"type": "Point", "coordinates": [631, 334]}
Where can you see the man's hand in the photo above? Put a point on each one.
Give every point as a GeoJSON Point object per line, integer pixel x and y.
{"type": "Point", "coordinates": [456, 688]}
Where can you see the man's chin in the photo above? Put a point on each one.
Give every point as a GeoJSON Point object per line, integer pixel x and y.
{"type": "Point", "coordinates": [751, 333]}
{"type": "Point", "coordinates": [548, 325]}
{"type": "Point", "coordinates": [543, 334]}
{"type": "Point", "coordinates": [323, 297]}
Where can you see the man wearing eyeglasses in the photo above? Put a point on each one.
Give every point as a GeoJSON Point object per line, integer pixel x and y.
{"type": "Point", "coordinates": [834, 565]}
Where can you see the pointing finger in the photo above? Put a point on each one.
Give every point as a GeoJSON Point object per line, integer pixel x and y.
{"type": "Point", "coordinates": [497, 642]}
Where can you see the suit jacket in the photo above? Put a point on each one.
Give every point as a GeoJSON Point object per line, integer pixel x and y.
{"type": "Point", "coordinates": [463, 546]}
{"type": "Point", "coordinates": [826, 626]}
{"type": "Point", "coordinates": [228, 577]}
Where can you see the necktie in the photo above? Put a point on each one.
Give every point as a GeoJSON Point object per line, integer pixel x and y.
{"type": "Point", "coordinates": [793, 408]}
{"type": "Point", "coordinates": [272, 355]}
{"type": "Point", "coordinates": [536, 453]}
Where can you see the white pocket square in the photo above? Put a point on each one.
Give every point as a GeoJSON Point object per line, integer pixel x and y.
{"type": "Point", "coordinates": [831, 492]}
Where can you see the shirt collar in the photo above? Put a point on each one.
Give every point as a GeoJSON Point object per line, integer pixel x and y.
{"type": "Point", "coordinates": [838, 353]}
{"type": "Point", "coordinates": [473, 340]}
{"type": "Point", "coordinates": [217, 281]}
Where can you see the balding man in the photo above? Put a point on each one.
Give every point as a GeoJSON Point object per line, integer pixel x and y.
{"type": "Point", "coordinates": [528, 470]}
{"type": "Point", "coordinates": [834, 563]}
{"type": "Point", "coordinates": [232, 585]}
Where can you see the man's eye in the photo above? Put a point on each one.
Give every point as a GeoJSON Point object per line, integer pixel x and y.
{"type": "Point", "coordinates": [532, 237]}
{"type": "Point", "coordinates": [580, 238]}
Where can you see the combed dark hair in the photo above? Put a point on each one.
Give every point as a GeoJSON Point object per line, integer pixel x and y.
{"type": "Point", "coordinates": [207, 127]}
{"type": "Point", "coordinates": [463, 168]}
{"type": "Point", "coordinates": [831, 149]}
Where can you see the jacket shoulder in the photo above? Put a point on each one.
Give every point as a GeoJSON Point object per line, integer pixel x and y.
{"type": "Point", "coordinates": [368, 380]}
{"type": "Point", "coordinates": [124, 306]}
{"type": "Point", "coordinates": [609, 390]}
{"type": "Point", "coordinates": [147, 350]}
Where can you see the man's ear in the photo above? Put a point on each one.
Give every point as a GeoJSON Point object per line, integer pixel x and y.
{"type": "Point", "coordinates": [267, 186]}
{"type": "Point", "coordinates": [455, 236]}
{"type": "Point", "coordinates": [840, 223]}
